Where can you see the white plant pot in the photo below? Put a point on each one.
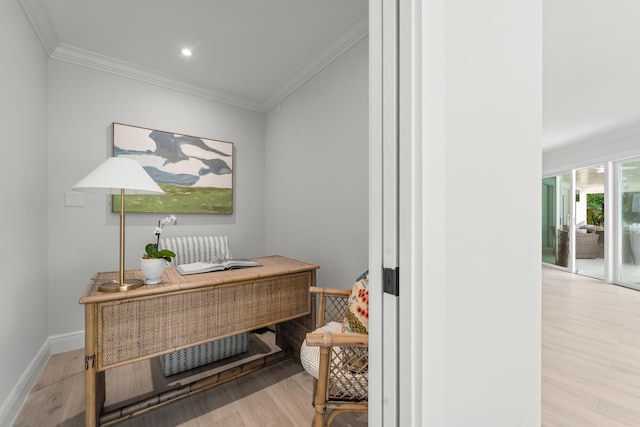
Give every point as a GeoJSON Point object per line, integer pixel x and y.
{"type": "Point", "coordinates": [152, 269]}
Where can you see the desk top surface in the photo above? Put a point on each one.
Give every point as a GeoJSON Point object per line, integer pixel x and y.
{"type": "Point", "coordinates": [172, 281]}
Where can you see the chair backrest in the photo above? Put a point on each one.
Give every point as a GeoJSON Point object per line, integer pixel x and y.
{"type": "Point", "coordinates": [332, 305]}
{"type": "Point", "coordinates": [197, 248]}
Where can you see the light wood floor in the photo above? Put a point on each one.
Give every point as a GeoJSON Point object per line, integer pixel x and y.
{"type": "Point", "coordinates": [277, 396]}
{"type": "Point", "coordinates": [590, 352]}
{"type": "Point", "coordinates": [590, 373]}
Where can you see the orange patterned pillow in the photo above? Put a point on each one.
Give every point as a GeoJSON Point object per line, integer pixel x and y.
{"type": "Point", "coordinates": [357, 318]}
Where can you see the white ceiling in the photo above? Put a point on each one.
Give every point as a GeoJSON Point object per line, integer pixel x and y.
{"type": "Point", "coordinates": [250, 53]}
{"type": "Point", "coordinates": [253, 53]}
{"type": "Point", "coordinates": [591, 179]}
{"type": "Point", "coordinates": [591, 55]}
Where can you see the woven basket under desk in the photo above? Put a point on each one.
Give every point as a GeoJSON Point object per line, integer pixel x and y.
{"type": "Point", "coordinates": [193, 357]}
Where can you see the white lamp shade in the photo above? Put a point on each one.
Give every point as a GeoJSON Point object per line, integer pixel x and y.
{"type": "Point", "coordinates": [116, 174]}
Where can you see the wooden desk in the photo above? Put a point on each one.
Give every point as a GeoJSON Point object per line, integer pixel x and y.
{"type": "Point", "coordinates": [181, 312]}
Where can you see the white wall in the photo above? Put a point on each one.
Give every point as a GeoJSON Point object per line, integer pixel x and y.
{"type": "Point", "coordinates": [23, 252]}
{"type": "Point", "coordinates": [581, 207]}
{"type": "Point", "coordinates": [83, 103]}
{"type": "Point", "coordinates": [317, 171]}
{"type": "Point", "coordinates": [482, 88]}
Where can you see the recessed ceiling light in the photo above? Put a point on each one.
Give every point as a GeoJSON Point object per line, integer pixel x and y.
{"type": "Point", "coordinates": [186, 51]}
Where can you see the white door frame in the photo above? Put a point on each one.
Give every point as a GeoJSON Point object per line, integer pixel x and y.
{"type": "Point", "coordinates": [383, 383]}
{"type": "Point", "coordinates": [376, 203]}
{"type": "Point", "coordinates": [413, 378]}
{"type": "Point", "coordinates": [409, 205]}
{"type": "Point", "coordinates": [395, 234]}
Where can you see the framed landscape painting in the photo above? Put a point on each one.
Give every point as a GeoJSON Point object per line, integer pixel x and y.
{"type": "Point", "coordinates": [195, 173]}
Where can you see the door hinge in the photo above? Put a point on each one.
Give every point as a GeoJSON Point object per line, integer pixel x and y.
{"type": "Point", "coordinates": [390, 281]}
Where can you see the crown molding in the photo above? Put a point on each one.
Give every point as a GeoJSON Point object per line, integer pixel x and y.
{"type": "Point", "coordinates": [40, 21]}
{"type": "Point", "coordinates": [38, 16]}
{"type": "Point", "coordinates": [107, 64]}
{"type": "Point", "coordinates": [590, 141]}
{"type": "Point", "coordinates": [356, 32]}
{"type": "Point", "coordinates": [616, 145]}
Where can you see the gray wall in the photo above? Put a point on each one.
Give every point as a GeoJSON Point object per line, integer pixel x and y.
{"type": "Point", "coordinates": [83, 103]}
{"type": "Point", "coordinates": [300, 179]}
{"type": "Point", "coordinates": [317, 171]}
{"type": "Point", "coordinates": [23, 251]}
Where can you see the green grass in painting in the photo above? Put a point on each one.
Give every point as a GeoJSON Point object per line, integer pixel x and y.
{"type": "Point", "coordinates": [180, 200]}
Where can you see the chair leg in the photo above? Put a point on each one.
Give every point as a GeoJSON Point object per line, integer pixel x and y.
{"type": "Point", "coordinates": [318, 417]}
{"type": "Point", "coordinates": [321, 390]}
{"type": "Point", "coordinates": [315, 392]}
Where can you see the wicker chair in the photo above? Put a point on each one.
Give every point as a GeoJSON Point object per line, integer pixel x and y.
{"type": "Point", "coordinates": [193, 249]}
{"type": "Point", "coordinates": [587, 245]}
{"type": "Point", "coordinates": [337, 361]}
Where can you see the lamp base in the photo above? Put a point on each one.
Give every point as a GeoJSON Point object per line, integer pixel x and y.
{"type": "Point", "coordinates": [116, 286]}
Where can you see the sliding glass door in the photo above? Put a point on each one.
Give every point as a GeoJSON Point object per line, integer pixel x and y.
{"type": "Point", "coordinates": [549, 242]}
{"type": "Point", "coordinates": [556, 206]}
{"type": "Point", "coordinates": [590, 221]}
{"type": "Point", "coordinates": [629, 207]}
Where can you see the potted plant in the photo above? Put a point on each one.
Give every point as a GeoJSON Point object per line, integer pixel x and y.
{"type": "Point", "coordinates": [155, 260]}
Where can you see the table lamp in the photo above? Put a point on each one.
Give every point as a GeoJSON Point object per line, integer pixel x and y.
{"type": "Point", "coordinates": [124, 176]}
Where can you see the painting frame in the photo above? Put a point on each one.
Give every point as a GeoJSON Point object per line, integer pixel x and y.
{"type": "Point", "coordinates": [196, 173]}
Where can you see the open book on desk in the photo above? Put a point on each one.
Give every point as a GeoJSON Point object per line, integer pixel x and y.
{"type": "Point", "coordinates": [206, 267]}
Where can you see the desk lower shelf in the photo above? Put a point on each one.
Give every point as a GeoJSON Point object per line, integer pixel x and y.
{"type": "Point", "coordinates": [158, 391]}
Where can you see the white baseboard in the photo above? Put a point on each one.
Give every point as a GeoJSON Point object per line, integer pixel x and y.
{"type": "Point", "coordinates": [53, 345]}
{"type": "Point", "coordinates": [66, 342]}
{"type": "Point", "coordinates": [11, 407]}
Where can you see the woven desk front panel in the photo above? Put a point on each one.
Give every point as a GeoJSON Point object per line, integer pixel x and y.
{"type": "Point", "coordinates": [138, 328]}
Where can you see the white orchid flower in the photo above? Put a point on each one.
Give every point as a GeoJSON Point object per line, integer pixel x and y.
{"type": "Point", "coordinates": [152, 252]}
{"type": "Point", "coordinates": [168, 220]}
{"type": "Point", "coordinates": [161, 223]}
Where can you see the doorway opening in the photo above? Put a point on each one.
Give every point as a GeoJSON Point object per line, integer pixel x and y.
{"type": "Point", "coordinates": [590, 222]}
